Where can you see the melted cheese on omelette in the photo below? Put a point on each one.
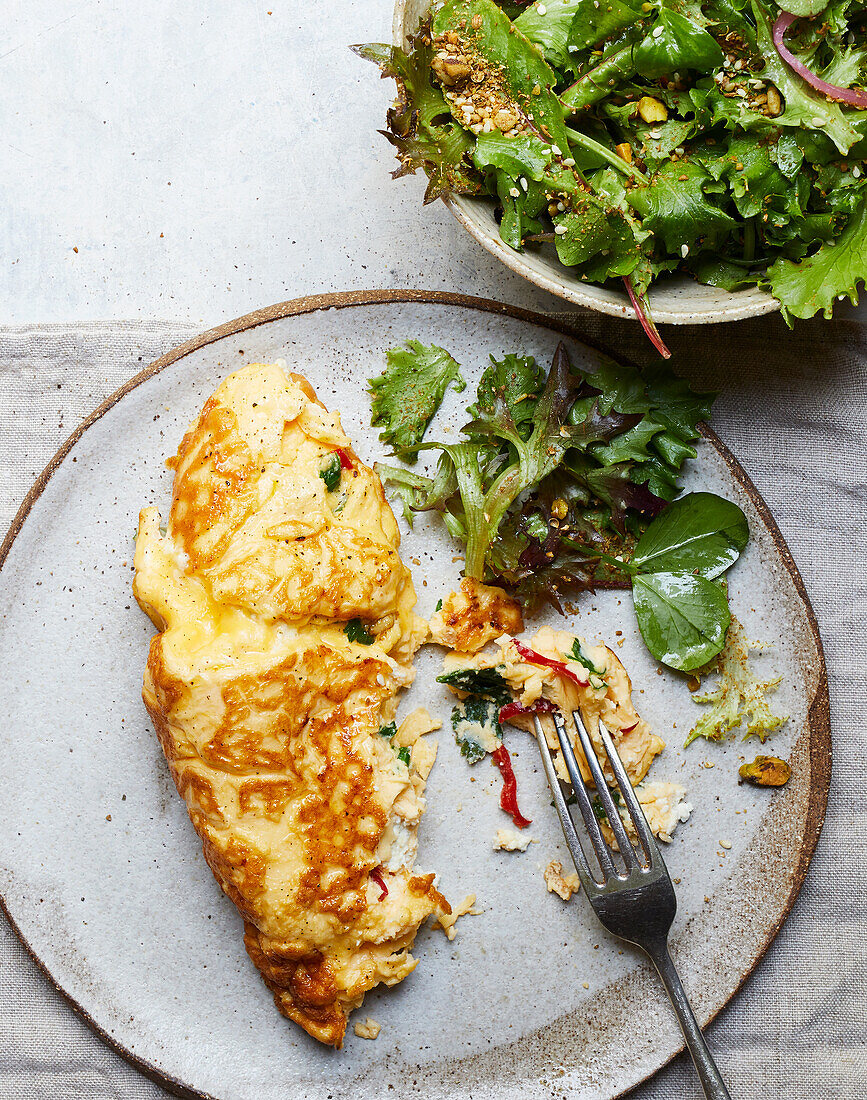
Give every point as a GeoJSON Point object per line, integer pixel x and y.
{"type": "Point", "coordinates": [268, 714]}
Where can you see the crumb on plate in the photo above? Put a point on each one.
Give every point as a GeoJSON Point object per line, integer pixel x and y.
{"type": "Point", "coordinates": [447, 921]}
{"type": "Point", "coordinates": [510, 840]}
{"type": "Point", "coordinates": [369, 1029]}
{"type": "Point", "coordinates": [563, 886]}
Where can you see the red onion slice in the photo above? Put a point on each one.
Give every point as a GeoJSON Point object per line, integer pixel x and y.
{"type": "Point", "coordinates": [852, 96]}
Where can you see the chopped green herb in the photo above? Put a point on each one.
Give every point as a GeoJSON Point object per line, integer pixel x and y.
{"type": "Point", "coordinates": [404, 755]}
{"type": "Point", "coordinates": [485, 682]}
{"type": "Point", "coordinates": [330, 472]}
{"type": "Point", "coordinates": [476, 723]}
{"type": "Point", "coordinates": [598, 809]}
{"type": "Point", "coordinates": [439, 605]}
{"type": "Point", "coordinates": [579, 655]}
{"type": "Point", "coordinates": [356, 631]}
{"type": "Point", "coordinates": [388, 731]}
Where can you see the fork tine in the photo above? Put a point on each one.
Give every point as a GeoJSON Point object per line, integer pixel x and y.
{"type": "Point", "coordinates": [591, 824]}
{"type": "Point", "coordinates": [569, 831]}
{"type": "Point", "coordinates": [648, 843]}
{"type": "Point", "coordinates": [611, 812]}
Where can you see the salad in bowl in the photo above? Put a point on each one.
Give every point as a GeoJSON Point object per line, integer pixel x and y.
{"type": "Point", "coordinates": [724, 140]}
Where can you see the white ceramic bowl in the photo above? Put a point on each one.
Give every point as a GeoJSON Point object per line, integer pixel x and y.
{"type": "Point", "coordinates": [676, 300]}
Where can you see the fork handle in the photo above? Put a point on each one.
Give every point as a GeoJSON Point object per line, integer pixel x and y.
{"type": "Point", "coordinates": [711, 1082]}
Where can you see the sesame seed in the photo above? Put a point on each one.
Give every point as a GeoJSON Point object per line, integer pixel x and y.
{"type": "Point", "coordinates": [656, 32]}
{"type": "Point", "coordinates": [560, 230]}
{"type": "Point", "coordinates": [725, 844]}
{"type": "Point", "coordinates": [817, 121]}
{"type": "Point", "coordinates": [514, 192]}
{"type": "Point", "coordinates": [569, 162]}
{"type": "Point", "coordinates": [684, 250]}
{"type": "Point", "coordinates": [523, 183]}
{"type": "Point", "coordinates": [556, 150]}
{"type": "Point", "coordinates": [856, 172]}
{"type": "Point", "coordinates": [541, 9]}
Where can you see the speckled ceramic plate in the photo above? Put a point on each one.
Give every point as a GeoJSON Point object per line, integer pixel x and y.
{"type": "Point", "coordinates": [101, 872]}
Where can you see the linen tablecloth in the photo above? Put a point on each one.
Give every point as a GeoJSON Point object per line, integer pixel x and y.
{"type": "Point", "coordinates": [793, 408]}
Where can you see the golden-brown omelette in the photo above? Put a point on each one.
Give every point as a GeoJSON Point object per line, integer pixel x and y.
{"type": "Point", "coordinates": [286, 631]}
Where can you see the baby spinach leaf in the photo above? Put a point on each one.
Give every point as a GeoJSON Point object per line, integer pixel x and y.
{"type": "Point", "coordinates": [594, 21]}
{"type": "Point", "coordinates": [549, 29]}
{"type": "Point", "coordinates": [486, 33]}
{"type": "Point", "coordinates": [675, 43]}
{"type": "Point", "coordinates": [581, 657]}
{"type": "Point", "coordinates": [485, 682]}
{"type": "Point", "coordinates": [682, 618]}
{"type": "Point", "coordinates": [700, 532]}
{"type": "Point", "coordinates": [522, 155]}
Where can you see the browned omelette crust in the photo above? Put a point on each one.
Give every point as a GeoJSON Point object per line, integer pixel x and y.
{"type": "Point", "coordinates": [267, 714]}
{"type": "Point", "coordinates": [476, 615]}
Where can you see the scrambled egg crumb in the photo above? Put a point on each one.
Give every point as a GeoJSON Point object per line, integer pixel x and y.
{"type": "Point", "coordinates": [510, 840]}
{"type": "Point", "coordinates": [370, 1029]}
{"type": "Point", "coordinates": [447, 921]}
{"type": "Point", "coordinates": [558, 883]}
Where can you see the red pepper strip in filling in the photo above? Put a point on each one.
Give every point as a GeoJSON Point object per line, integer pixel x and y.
{"type": "Point", "coordinates": [376, 875]}
{"type": "Point", "coordinates": [346, 462]}
{"type": "Point", "coordinates": [509, 794]}
{"type": "Point", "coordinates": [535, 658]}
{"type": "Point", "coordinates": [541, 706]}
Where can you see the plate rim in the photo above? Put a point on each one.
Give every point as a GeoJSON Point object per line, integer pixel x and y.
{"type": "Point", "coordinates": [818, 714]}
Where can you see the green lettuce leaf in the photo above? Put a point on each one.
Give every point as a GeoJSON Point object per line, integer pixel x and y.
{"type": "Point", "coordinates": [595, 20]}
{"type": "Point", "coordinates": [486, 32]}
{"type": "Point", "coordinates": [409, 391]}
{"type": "Point", "coordinates": [835, 270]}
{"type": "Point", "coordinates": [676, 43]}
{"type": "Point", "coordinates": [416, 126]}
{"type": "Point", "coordinates": [804, 106]}
{"type": "Point", "coordinates": [675, 207]}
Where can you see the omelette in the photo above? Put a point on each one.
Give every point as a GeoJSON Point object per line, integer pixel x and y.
{"type": "Point", "coordinates": [286, 629]}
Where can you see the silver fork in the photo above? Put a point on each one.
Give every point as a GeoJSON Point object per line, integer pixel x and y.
{"type": "Point", "coordinates": [637, 903]}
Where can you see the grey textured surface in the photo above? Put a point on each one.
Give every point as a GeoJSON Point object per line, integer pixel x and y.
{"type": "Point", "coordinates": [792, 409]}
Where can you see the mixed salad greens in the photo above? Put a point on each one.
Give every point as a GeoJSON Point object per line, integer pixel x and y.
{"type": "Point", "coordinates": [565, 481]}
{"type": "Point", "coordinates": [723, 138]}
